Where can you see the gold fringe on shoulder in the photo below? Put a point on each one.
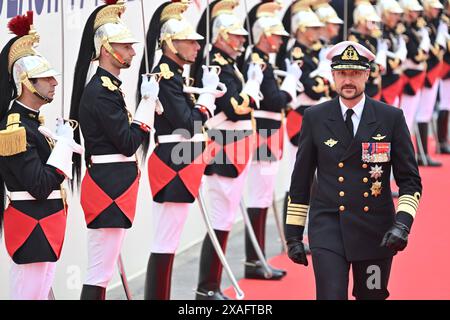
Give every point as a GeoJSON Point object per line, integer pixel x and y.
{"type": "Point", "coordinates": [13, 139]}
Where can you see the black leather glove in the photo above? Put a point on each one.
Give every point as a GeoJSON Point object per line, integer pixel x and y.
{"type": "Point", "coordinates": [396, 238]}
{"type": "Point", "coordinates": [296, 251]}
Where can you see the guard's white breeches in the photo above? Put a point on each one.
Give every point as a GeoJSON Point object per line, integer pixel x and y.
{"type": "Point", "coordinates": [31, 281]}
{"type": "Point", "coordinates": [104, 247]}
{"type": "Point", "coordinates": [261, 183]}
{"type": "Point", "coordinates": [409, 105]}
{"type": "Point", "coordinates": [444, 93]}
{"type": "Point", "coordinates": [426, 105]}
{"type": "Point", "coordinates": [225, 195]}
{"type": "Point", "coordinates": [169, 219]}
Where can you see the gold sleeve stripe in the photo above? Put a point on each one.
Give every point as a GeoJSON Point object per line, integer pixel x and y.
{"type": "Point", "coordinates": [409, 204]}
{"type": "Point", "coordinates": [294, 205]}
{"type": "Point", "coordinates": [298, 209]}
{"type": "Point", "coordinates": [295, 220]}
{"type": "Point", "coordinates": [297, 214]}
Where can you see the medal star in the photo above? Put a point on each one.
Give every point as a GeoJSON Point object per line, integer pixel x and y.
{"type": "Point", "coordinates": [376, 188]}
{"type": "Point", "coordinates": [376, 172]}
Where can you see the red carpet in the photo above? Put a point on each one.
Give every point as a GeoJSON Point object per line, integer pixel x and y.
{"type": "Point", "coordinates": [419, 272]}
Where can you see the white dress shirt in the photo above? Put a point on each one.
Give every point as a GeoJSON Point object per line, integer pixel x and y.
{"type": "Point", "coordinates": [357, 109]}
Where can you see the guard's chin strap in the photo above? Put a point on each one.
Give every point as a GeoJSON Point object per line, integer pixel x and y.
{"type": "Point", "coordinates": [27, 83]}
{"type": "Point", "coordinates": [169, 43]}
{"type": "Point", "coordinates": [116, 56]}
{"type": "Point", "coordinates": [271, 43]}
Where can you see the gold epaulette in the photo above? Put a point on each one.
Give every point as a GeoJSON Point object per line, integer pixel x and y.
{"type": "Point", "coordinates": [107, 83]}
{"type": "Point", "coordinates": [394, 63]}
{"type": "Point", "coordinates": [243, 108]}
{"type": "Point", "coordinates": [317, 46]}
{"type": "Point", "coordinates": [420, 23]}
{"type": "Point", "coordinates": [353, 38]}
{"type": "Point", "coordinates": [400, 29]}
{"type": "Point", "coordinates": [257, 59]}
{"type": "Point", "coordinates": [296, 213]}
{"type": "Point", "coordinates": [409, 203]}
{"type": "Point", "coordinates": [165, 71]}
{"type": "Point", "coordinates": [13, 140]}
{"type": "Point", "coordinates": [320, 87]}
{"type": "Point", "coordinates": [297, 53]}
{"type": "Point", "coordinates": [220, 59]}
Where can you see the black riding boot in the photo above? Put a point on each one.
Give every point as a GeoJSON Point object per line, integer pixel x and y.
{"type": "Point", "coordinates": [159, 276]}
{"type": "Point", "coordinates": [253, 267]}
{"type": "Point", "coordinates": [210, 272]}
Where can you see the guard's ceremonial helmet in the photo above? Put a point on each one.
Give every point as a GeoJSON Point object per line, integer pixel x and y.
{"type": "Point", "coordinates": [264, 20]}
{"type": "Point", "coordinates": [326, 13]}
{"type": "Point", "coordinates": [349, 55]}
{"type": "Point", "coordinates": [20, 61]}
{"type": "Point", "coordinates": [303, 16]}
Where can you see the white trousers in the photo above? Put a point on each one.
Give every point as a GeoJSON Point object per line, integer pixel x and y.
{"type": "Point", "coordinates": [31, 281]}
{"type": "Point", "coordinates": [103, 251]}
{"type": "Point", "coordinates": [409, 105]}
{"type": "Point", "coordinates": [261, 183]}
{"type": "Point", "coordinates": [444, 94]}
{"type": "Point", "coordinates": [426, 105]}
{"type": "Point", "coordinates": [225, 195]}
{"type": "Point", "coordinates": [168, 222]}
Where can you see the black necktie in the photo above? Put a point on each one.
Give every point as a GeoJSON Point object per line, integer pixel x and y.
{"type": "Point", "coordinates": [348, 121]}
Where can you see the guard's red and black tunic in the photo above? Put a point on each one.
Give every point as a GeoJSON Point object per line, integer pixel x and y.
{"type": "Point", "coordinates": [230, 129]}
{"type": "Point", "coordinates": [179, 159]}
{"type": "Point", "coordinates": [110, 185]}
{"type": "Point", "coordinates": [316, 89]}
{"type": "Point", "coordinates": [391, 79]}
{"type": "Point", "coordinates": [269, 129]}
{"type": "Point", "coordinates": [415, 65]}
{"type": "Point", "coordinates": [35, 219]}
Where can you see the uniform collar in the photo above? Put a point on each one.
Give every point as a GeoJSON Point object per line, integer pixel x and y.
{"type": "Point", "coordinates": [25, 111]}
{"type": "Point", "coordinates": [103, 73]}
{"type": "Point", "coordinates": [358, 108]}
{"type": "Point", "coordinates": [173, 66]}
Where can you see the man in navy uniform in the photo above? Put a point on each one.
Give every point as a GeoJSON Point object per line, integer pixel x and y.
{"type": "Point", "coordinates": [354, 142]}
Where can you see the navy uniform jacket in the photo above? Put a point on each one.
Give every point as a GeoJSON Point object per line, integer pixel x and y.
{"type": "Point", "coordinates": [232, 104]}
{"type": "Point", "coordinates": [106, 128]}
{"type": "Point", "coordinates": [373, 85]}
{"type": "Point", "coordinates": [27, 171]}
{"type": "Point", "coordinates": [345, 216]}
{"type": "Point", "coordinates": [179, 116]}
{"type": "Point", "coordinates": [275, 100]}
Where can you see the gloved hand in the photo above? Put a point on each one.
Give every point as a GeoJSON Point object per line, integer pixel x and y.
{"type": "Point", "coordinates": [402, 51]}
{"type": "Point", "coordinates": [252, 86]}
{"type": "Point", "coordinates": [64, 130]}
{"type": "Point", "coordinates": [292, 77]}
{"type": "Point", "coordinates": [442, 34]}
{"type": "Point", "coordinates": [145, 113]}
{"type": "Point", "coordinates": [149, 87]}
{"type": "Point", "coordinates": [382, 48]}
{"type": "Point", "coordinates": [425, 43]}
{"type": "Point", "coordinates": [210, 78]}
{"type": "Point", "coordinates": [296, 250]}
{"type": "Point", "coordinates": [254, 72]}
{"type": "Point", "coordinates": [396, 238]}
{"type": "Point", "coordinates": [292, 68]}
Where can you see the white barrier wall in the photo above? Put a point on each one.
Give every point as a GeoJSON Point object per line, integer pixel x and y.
{"type": "Point", "coordinates": [71, 267]}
